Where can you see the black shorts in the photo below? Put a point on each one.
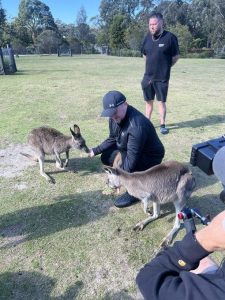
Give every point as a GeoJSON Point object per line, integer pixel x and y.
{"type": "Point", "coordinates": [156, 88]}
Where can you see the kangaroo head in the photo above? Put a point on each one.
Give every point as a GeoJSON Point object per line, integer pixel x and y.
{"type": "Point", "coordinates": [78, 142]}
{"type": "Point", "coordinates": [113, 179]}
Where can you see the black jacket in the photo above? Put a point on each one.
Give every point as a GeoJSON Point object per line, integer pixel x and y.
{"type": "Point", "coordinates": [137, 140]}
{"type": "Point", "coordinates": [167, 276]}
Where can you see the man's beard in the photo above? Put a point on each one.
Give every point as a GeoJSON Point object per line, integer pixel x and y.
{"type": "Point", "coordinates": [157, 33]}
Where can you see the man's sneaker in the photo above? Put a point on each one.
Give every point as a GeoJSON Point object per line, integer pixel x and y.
{"type": "Point", "coordinates": [163, 129]}
{"type": "Point", "coordinates": [125, 200]}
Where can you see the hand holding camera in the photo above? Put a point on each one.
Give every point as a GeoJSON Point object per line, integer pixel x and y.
{"type": "Point", "coordinates": [212, 237]}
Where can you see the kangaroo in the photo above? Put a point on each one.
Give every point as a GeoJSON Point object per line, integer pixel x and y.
{"type": "Point", "coordinates": [117, 163]}
{"type": "Point", "coordinates": [168, 182]}
{"type": "Point", "coordinates": [46, 140]}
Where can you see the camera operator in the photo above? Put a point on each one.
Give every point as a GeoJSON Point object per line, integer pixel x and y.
{"type": "Point", "coordinates": [169, 275]}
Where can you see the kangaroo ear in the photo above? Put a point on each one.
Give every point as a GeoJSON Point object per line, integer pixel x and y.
{"type": "Point", "coordinates": [110, 170]}
{"type": "Point", "coordinates": [76, 129]}
{"type": "Point", "coordinates": [73, 133]}
{"type": "Point", "coordinates": [107, 170]}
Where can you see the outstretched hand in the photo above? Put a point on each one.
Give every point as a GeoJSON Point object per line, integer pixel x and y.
{"type": "Point", "coordinates": [212, 237]}
{"type": "Point", "coordinates": [91, 153]}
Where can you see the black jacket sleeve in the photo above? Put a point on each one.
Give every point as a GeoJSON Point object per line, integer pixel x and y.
{"type": "Point", "coordinates": [167, 276]}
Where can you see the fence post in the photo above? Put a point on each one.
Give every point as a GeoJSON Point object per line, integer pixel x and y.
{"type": "Point", "coordinates": [12, 63]}
{"type": "Point", "coordinates": [2, 69]}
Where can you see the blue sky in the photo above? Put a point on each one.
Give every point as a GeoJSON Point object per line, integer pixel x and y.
{"type": "Point", "coordinates": [65, 10]}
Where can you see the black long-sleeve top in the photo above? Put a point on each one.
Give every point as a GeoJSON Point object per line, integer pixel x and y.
{"type": "Point", "coordinates": [167, 276]}
{"type": "Point", "coordinates": [136, 138]}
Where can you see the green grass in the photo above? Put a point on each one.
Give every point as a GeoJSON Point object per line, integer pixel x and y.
{"type": "Point", "coordinates": [67, 240]}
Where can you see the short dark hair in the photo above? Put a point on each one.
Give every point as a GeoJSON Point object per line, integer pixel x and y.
{"type": "Point", "coordinates": [156, 15]}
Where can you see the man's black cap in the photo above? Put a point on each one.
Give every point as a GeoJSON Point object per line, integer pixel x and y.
{"type": "Point", "coordinates": [111, 101]}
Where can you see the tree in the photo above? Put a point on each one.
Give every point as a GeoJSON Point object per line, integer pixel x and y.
{"type": "Point", "coordinates": [82, 31]}
{"type": "Point", "coordinates": [109, 8]}
{"type": "Point", "coordinates": [117, 32]}
{"type": "Point", "coordinates": [48, 42]}
{"type": "Point", "coordinates": [207, 21]}
{"type": "Point", "coordinates": [2, 23]}
{"type": "Point", "coordinates": [102, 38]}
{"type": "Point", "coordinates": [2, 16]}
{"type": "Point", "coordinates": [134, 36]}
{"type": "Point", "coordinates": [36, 17]}
{"type": "Point", "coordinates": [173, 11]}
{"type": "Point", "coordinates": [184, 36]}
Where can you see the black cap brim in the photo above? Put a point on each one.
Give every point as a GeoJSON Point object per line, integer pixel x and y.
{"type": "Point", "coordinates": [108, 112]}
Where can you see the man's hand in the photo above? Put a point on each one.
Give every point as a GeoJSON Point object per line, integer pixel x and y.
{"type": "Point", "coordinates": [212, 237]}
{"type": "Point", "coordinates": [175, 59]}
{"type": "Point", "coordinates": [91, 153]}
{"type": "Point", "coordinates": [206, 265]}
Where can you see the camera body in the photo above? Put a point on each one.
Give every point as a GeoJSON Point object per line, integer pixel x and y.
{"type": "Point", "coordinates": [202, 154]}
{"type": "Point", "coordinates": [187, 215]}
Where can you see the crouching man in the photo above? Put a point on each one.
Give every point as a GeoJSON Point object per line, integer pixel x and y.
{"type": "Point", "coordinates": [131, 134]}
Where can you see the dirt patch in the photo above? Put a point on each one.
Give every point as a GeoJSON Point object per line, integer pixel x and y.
{"type": "Point", "coordinates": [12, 163]}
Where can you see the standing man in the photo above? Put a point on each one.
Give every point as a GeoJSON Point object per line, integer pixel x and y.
{"type": "Point", "coordinates": [161, 51]}
{"type": "Point", "coordinates": [131, 134]}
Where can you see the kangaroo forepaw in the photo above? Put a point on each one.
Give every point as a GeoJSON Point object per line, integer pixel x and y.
{"type": "Point", "coordinates": [59, 166]}
{"type": "Point", "coordinates": [51, 180]}
{"type": "Point", "coordinates": [139, 226]}
{"type": "Point", "coordinates": [165, 243]}
{"type": "Point", "coordinates": [71, 170]}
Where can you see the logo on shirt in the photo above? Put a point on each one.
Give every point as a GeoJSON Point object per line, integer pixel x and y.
{"type": "Point", "coordinates": [161, 45]}
{"type": "Point", "coordinates": [181, 263]}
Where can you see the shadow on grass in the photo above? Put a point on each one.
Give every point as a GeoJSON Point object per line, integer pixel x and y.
{"type": "Point", "coordinates": [68, 212]}
{"type": "Point", "coordinates": [29, 72]}
{"type": "Point", "coordinates": [33, 285]}
{"type": "Point", "coordinates": [207, 121]}
{"type": "Point", "coordinates": [121, 295]}
{"type": "Point", "coordinates": [202, 180]}
{"type": "Point", "coordinates": [85, 165]}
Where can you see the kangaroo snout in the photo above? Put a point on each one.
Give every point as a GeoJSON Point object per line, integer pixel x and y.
{"type": "Point", "coordinates": [85, 149]}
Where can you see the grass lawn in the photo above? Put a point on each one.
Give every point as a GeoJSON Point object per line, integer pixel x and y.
{"type": "Point", "coordinates": [68, 241]}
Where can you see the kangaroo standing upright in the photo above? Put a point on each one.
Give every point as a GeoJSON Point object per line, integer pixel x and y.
{"type": "Point", "coordinates": [46, 140]}
{"type": "Point", "coordinates": [168, 182]}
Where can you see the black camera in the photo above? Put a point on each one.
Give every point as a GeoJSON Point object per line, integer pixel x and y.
{"type": "Point", "coordinates": [202, 154]}
{"type": "Point", "coordinates": [187, 215]}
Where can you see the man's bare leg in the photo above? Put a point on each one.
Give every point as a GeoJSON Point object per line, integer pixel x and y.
{"type": "Point", "coordinates": [162, 116]}
{"type": "Point", "coordinates": [149, 109]}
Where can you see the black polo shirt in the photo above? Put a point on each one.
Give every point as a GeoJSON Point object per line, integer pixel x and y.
{"type": "Point", "coordinates": [159, 52]}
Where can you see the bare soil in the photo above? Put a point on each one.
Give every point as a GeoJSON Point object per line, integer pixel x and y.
{"type": "Point", "coordinates": [13, 163]}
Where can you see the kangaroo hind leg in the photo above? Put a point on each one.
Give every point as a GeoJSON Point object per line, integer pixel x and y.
{"type": "Point", "coordinates": [42, 172]}
{"type": "Point", "coordinates": [156, 213]}
{"type": "Point", "coordinates": [169, 237]}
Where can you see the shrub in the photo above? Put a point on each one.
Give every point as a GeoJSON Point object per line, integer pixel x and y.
{"type": "Point", "coordinates": [200, 53]}
{"type": "Point", "coordinates": [125, 52]}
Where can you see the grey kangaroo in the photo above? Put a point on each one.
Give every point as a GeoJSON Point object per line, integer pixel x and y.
{"type": "Point", "coordinates": [168, 182]}
{"type": "Point", "coordinates": [46, 140]}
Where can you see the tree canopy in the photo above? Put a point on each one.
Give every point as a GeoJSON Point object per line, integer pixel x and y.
{"type": "Point", "coordinates": [120, 24]}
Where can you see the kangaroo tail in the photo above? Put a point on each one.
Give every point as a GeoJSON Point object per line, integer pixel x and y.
{"type": "Point", "coordinates": [29, 156]}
